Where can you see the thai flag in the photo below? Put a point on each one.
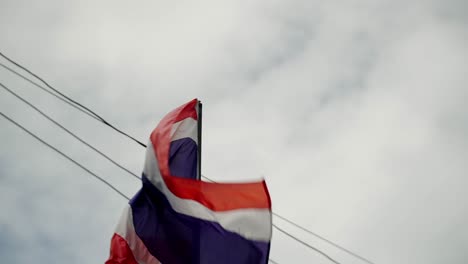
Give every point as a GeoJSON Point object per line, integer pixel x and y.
{"type": "Point", "coordinates": [177, 219]}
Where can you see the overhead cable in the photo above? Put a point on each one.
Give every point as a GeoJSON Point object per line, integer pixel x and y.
{"type": "Point", "coordinates": [68, 131]}
{"type": "Point", "coordinates": [71, 100]}
{"type": "Point", "coordinates": [306, 244]}
{"type": "Point", "coordinates": [323, 238]}
{"type": "Point", "coordinates": [293, 237]}
{"type": "Point", "coordinates": [48, 91]}
{"type": "Point", "coordinates": [65, 155]}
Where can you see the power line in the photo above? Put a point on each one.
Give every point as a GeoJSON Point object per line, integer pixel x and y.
{"type": "Point", "coordinates": [68, 131]}
{"type": "Point", "coordinates": [99, 118]}
{"type": "Point", "coordinates": [312, 233]}
{"type": "Point", "coordinates": [47, 91]}
{"type": "Point", "coordinates": [305, 244]}
{"type": "Point", "coordinates": [291, 236]}
{"type": "Point", "coordinates": [65, 156]}
{"type": "Point", "coordinates": [73, 161]}
{"type": "Point", "coordinates": [71, 100]}
{"type": "Point", "coordinates": [323, 238]}
{"type": "Point", "coordinates": [48, 85]}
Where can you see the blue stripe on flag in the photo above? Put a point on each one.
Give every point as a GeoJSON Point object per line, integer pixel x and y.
{"type": "Point", "coordinates": [183, 158]}
{"type": "Point", "coordinates": [171, 237]}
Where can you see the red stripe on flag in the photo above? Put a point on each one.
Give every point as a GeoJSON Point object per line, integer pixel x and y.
{"type": "Point", "coordinates": [221, 196]}
{"type": "Point", "coordinates": [163, 130]}
{"type": "Point", "coordinates": [120, 252]}
{"type": "Point", "coordinates": [182, 112]}
{"type": "Point", "coordinates": [215, 196]}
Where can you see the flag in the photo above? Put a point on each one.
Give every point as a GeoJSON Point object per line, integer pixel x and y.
{"type": "Point", "coordinates": [176, 219]}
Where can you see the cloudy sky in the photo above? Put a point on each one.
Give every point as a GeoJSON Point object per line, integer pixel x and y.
{"type": "Point", "coordinates": [353, 111]}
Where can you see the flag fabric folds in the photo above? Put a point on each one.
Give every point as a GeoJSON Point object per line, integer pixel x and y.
{"type": "Point", "coordinates": [177, 219]}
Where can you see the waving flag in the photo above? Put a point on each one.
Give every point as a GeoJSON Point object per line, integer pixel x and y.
{"type": "Point", "coordinates": [177, 219]}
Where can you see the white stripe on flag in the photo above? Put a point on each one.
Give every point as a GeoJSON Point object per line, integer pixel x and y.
{"type": "Point", "coordinates": [186, 128]}
{"type": "Point", "coordinates": [253, 224]}
{"type": "Point", "coordinates": [126, 230]}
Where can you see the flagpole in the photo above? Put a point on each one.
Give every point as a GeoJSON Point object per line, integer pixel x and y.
{"type": "Point", "coordinates": [199, 145]}
{"type": "Point", "coordinates": [197, 248]}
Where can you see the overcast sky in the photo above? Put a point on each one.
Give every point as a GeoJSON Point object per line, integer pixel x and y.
{"type": "Point", "coordinates": [353, 111]}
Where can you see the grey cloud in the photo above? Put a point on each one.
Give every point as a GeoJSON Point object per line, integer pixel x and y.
{"type": "Point", "coordinates": [354, 112]}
